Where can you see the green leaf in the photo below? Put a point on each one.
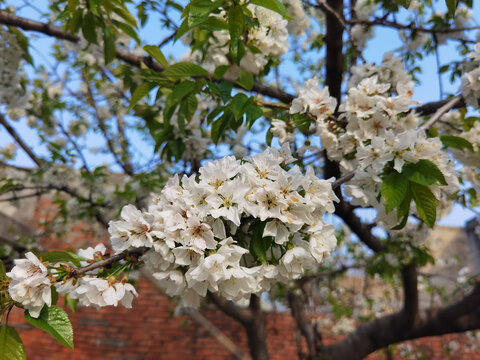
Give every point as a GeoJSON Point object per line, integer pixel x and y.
{"type": "Point", "coordinates": [238, 105]}
{"type": "Point", "coordinates": [182, 29]}
{"type": "Point", "coordinates": [220, 125]}
{"type": "Point", "coordinates": [55, 321]}
{"type": "Point", "coordinates": [180, 91]}
{"type": "Point", "coordinates": [273, 5]}
{"type": "Point", "coordinates": [140, 92]}
{"type": "Point", "coordinates": [11, 346]}
{"type": "Point", "coordinates": [72, 6]}
{"type": "Point", "coordinates": [214, 23]}
{"type": "Point", "coordinates": [245, 80]}
{"type": "Point", "coordinates": [23, 42]}
{"type": "Point", "coordinates": [76, 21]}
{"type": "Point", "coordinates": [269, 137]}
{"type": "Point", "coordinates": [54, 294]}
{"type": "Point", "coordinates": [184, 70]}
{"type": "Point", "coordinates": [2, 270]}
{"type": "Point", "coordinates": [220, 71]}
{"type": "Point", "coordinates": [444, 68]}
{"type": "Point", "coordinates": [451, 6]}
{"type": "Point", "coordinates": [424, 172]}
{"type": "Point", "coordinates": [425, 202]}
{"type": "Point", "coordinates": [258, 244]}
{"type": "Point", "coordinates": [393, 190]}
{"type": "Point", "coordinates": [126, 15]}
{"type": "Point", "coordinates": [253, 113]}
{"type": "Point", "coordinates": [302, 123]}
{"type": "Point", "coordinates": [127, 29]}
{"type": "Point", "coordinates": [156, 53]}
{"type": "Point", "coordinates": [109, 49]}
{"type": "Point", "coordinates": [403, 210]}
{"type": "Point", "coordinates": [225, 90]}
{"type": "Point", "coordinates": [177, 147]}
{"type": "Point", "coordinates": [236, 24]}
{"type": "Point", "coordinates": [89, 28]}
{"type": "Point", "coordinates": [404, 3]}
{"type": "Point", "coordinates": [456, 142]}
{"type": "Point", "coordinates": [61, 256]}
{"type": "Point", "coordinates": [71, 303]}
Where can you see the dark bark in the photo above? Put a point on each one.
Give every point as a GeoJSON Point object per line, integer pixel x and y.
{"type": "Point", "coordinates": [405, 325]}
{"type": "Point", "coordinates": [257, 331]}
{"type": "Point", "coordinates": [334, 44]}
{"type": "Point", "coordinates": [297, 307]}
{"type": "Point", "coordinates": [253, 319]}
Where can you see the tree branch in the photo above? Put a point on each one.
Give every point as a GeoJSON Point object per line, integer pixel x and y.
{"type": "Point", "coordinates": [19, 141]}
{"type": "Point", "coordinates": [136, 252]}
{"type": "Point", "coordinates": [442, 110]}
{"type": "Point", "coordinates": [393, 24]}
{"type": "Point", "coordinates": [306, 329]}
{"type": "Point", "coordinates": [242, 315]}
{"type": "Point", "coordinates": [381, 332]}
{"type": "Point", "coordinates": [432, 107]}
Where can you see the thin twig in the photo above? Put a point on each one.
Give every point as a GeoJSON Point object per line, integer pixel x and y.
{"type": "Point", "coordinates": [341, 180]}
{"type": "Point", "coordinates": [449, 105]}
{"type": "Point", "coordinates": [20, 141]}
{"type": "Point", "coordinates": [137, 252]}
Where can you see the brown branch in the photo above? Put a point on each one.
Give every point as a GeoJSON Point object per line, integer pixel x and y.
{"type": "Point", "coordinates": [343, 179]}
{"type": "Point", "coordinates": [393, 24]}
{"type": "Point", "coordinates": [19, 141]}
{"type": "Point", "coordinates": [381, 332]}
{"type": "Point", "coordinates": [306, 329]}
{"type": "Point", "coordinates": [461, 316]}
{"type": "Point", "coordinates": [240, 314]}
{"type": "Point", "coordinates": [432, 107]}
{"type": "Point", "coordinates": [442, 110]}
{"type": "Point", "coordinates": [136, 252]}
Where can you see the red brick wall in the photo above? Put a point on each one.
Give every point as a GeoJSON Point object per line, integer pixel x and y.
{"type": "Point", "coordinates": [150, 331]}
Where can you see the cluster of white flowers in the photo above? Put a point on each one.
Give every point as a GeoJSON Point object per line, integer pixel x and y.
{"type": "Point", "coordinates": [380, 130]}
{"type": "Point", "coordinates": [316, 101]}
{"type": "Point", "coordinates": [361, 33]}
{"type": "Point", "coordinates": [463, 17]}
{"type": "Point", "coordinates": [299, 22]}
{"type": "Point", "coordinates": [471, 78]}
{"type": "Point", "coordinates": [270, 37]}
{"type": "Point", "coordinates": [32, 283]}
{"type": "Point", "coordinates": [414, 40]}
{"type": "Point", "coordinates": [234, 228]}
{"type": "Point", "coordinates": [11, 92]}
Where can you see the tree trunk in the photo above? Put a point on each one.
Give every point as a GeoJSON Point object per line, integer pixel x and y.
{"type": "Point", "coordinates": [257, 331]}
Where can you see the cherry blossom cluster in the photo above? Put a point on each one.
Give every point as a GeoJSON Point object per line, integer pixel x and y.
{"type": "Point", "coordinates": [270, 37]}
{"type": "Point", "coordinates": [32, 281]}
{"type": "Point", "coordinates": [471, 79]}
{"type": "Point", "coordinates": [11, 92]}
{"type": "Point", "coordinates": [299, 22]}
{"type": "Point", "coordinates": [233, 229]}
{"type": "Point", "coordinates": [375, 130]}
